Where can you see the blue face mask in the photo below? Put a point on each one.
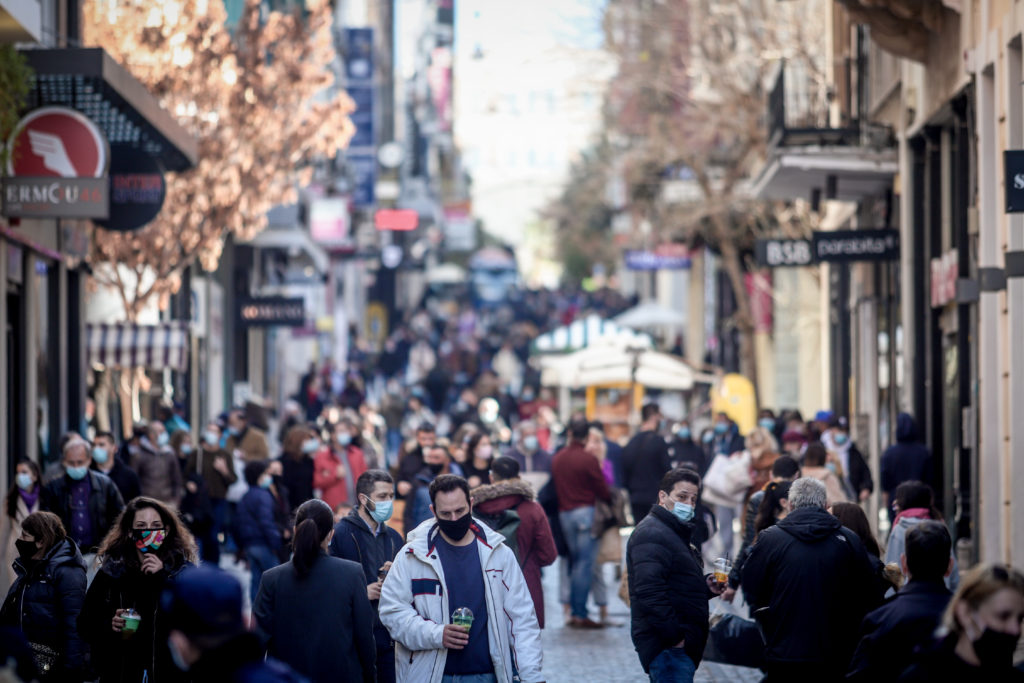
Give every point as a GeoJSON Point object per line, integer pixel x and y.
{"type": "Point", "coordinates": [211, 438]}
{"type": "Point", "coordinates": [344, 439]}
{"type": "Point", "coordinates": [24, 481]}
{"type": "Point", "coordinates": [234, 431]}
{"type": "Point", "coordinates": [186, 448]}
{"type": "Point", "coordinates": [721, 428]}
{"type": "Point", "coordinates": [841, 438]}
{"type": "Point", "coordinates": [310, 446]}
{"type": "Point", "coordinates": [100, 455]}
{"type": "Point", "coordinates": [77, 473]}
{"type": "Point", "coordinates": [683, 512]}
{"type": "Point", "coordinates": [708, 437]}
{"type": "Point", "coordinates": [530, 443]}
{"type": "Point", "coordinates": [683, 433]}
{"type": "Point", "coordinates": [265, 482]}
{"type": "Point", "coordinates": [381, 511]}
{"type": "Point", "coordinates": [767, 423]}
{"type": "Point", "coordinates": [163, 439]}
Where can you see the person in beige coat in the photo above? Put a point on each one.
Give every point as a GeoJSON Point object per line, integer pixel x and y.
{"type": "Point", "coordinates": [246, 438]}
{"type": "Point", "coordinates": [22, 500]}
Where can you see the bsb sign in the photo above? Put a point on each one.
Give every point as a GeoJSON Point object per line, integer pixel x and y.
{"type": "Point", "coordinates": [831, 246]}
{"type": "Point", "coordinates": [57, 163]}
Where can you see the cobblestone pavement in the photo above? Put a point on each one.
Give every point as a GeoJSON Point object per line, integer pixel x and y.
{"type": "Point", "coordinates": [607, 655]}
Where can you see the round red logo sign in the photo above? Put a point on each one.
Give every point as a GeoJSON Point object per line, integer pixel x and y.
{"type": "Point", "coordinates": [57, 142]}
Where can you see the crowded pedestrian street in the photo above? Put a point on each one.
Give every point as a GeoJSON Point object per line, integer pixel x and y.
{"type": "Point", "coordinates": [476, 341]}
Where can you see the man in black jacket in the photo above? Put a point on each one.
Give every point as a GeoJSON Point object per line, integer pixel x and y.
{"type": "Point", "coordinates": [810, 582]}
{"type": "Point", "coordinates": [891, 634]}
{"type": "Point", "coordinates": [645, 460]}
{"type": "Point", "coordinates": [668, 590]}
{"type": "Point", "coordinates": [106, 462]}
{"type": "Point", "coordinates": [87, 502]}
{"type": "Point", "coordinates": [364, 537]}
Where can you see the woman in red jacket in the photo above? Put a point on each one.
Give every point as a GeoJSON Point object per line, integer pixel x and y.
{"type": "Point", "coordinates": [337, 467]}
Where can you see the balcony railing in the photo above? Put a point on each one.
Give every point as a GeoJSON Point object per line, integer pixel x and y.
{"type": "Point", "coordinates": [796, 117]}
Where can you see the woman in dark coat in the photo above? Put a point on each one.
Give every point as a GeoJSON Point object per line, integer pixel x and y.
{"type": "Point", "coordinates": [143, 553]}
{"type": "Point", "coordinates": [313, 612]}
{"type": "Point", "coordinates": [47, 596]}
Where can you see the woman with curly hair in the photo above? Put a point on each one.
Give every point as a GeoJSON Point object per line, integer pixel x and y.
{"type": "Point", "coordinates": [143, 553]}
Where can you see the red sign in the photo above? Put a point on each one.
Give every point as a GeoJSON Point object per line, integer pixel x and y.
{"type": "Point", "coordinates": [57, 142]}
{"type": "Point", "coordinates": [944, 273]}
{"type": "Point", "coordinates": [401, 220]}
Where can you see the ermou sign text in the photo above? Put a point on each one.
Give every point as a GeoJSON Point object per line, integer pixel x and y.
{"type": "Point", "coordinates": [833, 246]}
{"type": "Point", "coordinates": [272, 311]}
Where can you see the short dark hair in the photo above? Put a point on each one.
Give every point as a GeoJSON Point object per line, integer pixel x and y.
{"type": "Point", "coordinates": [254, 470]}
{"type": "Point", "coordinates": [815, 455]}
{"type": "Point", "coordinates": [446, 483]}
{"type": "Point", "coordinates": [928, 547]}
{"type": "Point", "coordinates": [106, 435]}
{"type": "Point", "coordinates": [674, 476]}
{"type": "Point", "coordinates": [505, 467]}
{"type": "Point", "coordinates": [649, 411]}
{"type": "Point", "coordinates": [425, 426]}
{"type": "Point", "coordinates": [368, 480]}
{"type": "Point", "coordinates": [578, 429]}
{"type": "Point", "coordinates": [786, 467]}
{"type": "Point", "coordinates": [914, 494]}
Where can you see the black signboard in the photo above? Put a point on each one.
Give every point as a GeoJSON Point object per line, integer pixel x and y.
{"type": "Point", "coordinates": [781, 253]}
{"type": "Point", "coordinates": [845, 246]}
{"type": "Point", "coordinates": [137, 189]}
{"type": "Point", "coordinates": [1013, 168]}
{"type": "Point", "coordinates": [272, 311]}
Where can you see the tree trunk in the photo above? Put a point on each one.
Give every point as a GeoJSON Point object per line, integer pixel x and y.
{"type": "Point", "coordinates": [744, 316]}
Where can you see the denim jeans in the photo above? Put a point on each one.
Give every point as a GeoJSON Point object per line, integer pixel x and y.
{"type": "Point", "coordinates": [577, 527]}
{"type": "Point", "coordinates": [260, 558]}
{"type": "Point", "coordinates": [673, 666]}
{"type": "Point", "coordinates": [472, 678]}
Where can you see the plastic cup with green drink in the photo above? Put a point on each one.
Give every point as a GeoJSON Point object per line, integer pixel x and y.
{"type": "Point", "coordinates": [131, 621]}
{"type": "Point", "coordinates": [463, 617]}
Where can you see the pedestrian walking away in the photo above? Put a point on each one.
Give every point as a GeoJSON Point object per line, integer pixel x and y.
{"type": "Point", "coordinates": [645, 460]}
{"type": "Point", "coordinates": [313, 612]}
{"type": "Point", "coordinates": [456, 602]}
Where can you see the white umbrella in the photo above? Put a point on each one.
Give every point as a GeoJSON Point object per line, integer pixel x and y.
{"type": "Point", "coordinates": [650, 314]}
{"type": "Point", "coordinates": [615, 365]}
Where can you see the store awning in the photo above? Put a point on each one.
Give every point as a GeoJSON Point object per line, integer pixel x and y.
{"type": "Point", "coordinates": [127, 345]}
{"type": "Point", "coordinates": [845, 173]}
{"type": "Point", "coordinates": [590, 330]}
{"type": "Point", "coordinates": [90, 81]}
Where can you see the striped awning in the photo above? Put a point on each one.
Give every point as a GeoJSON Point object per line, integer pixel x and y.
{"type": "Point", "coordinates": [127, 345]}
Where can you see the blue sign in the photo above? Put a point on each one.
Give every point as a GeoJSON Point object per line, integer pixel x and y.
{"type": "Point", "coordinates": [362, 149]}
{"type": "Point", "coordinates": [358, 55]}
{"type": "Point", "coordinates": [364, 178]}
{"type": "Point", "coordinates": [649, 260]}
{"type": "Point", "coordinates": [362, 117]}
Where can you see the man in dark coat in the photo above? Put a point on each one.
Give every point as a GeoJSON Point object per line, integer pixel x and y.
{"type": "Point", "coordinates": [906, 460]}
{"type": "Point", "coordinates": [87, 502]}
{"type": "Point", "coordinates": [810, 583]}
{"type": "Point", "coordinates": [891, 634]}
{"type": "Point", "coordinates": [668, 590]}
{"type": "Point", "coordinates": [104, 461]}
{"type": "Point", "coordinates": [684, 451]}
{"type": "Point", "coordinates": [412, 462]}
{"type": "Point", "coordinates": [645, 460]}
{"type": "Point", "coordinates": [364, 537]}
{"type": "Point", "coordinates": [534, 540]}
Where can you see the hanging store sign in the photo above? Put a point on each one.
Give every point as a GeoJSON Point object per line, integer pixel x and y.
{"type": "Point", "coordinates": [57, 167]}
{"type": "Point", "coordinates": [944, 273]}
{"type": "Point", "coordinates": [137, 189]}
{"type": "Point", "coordinates": [773, 253]}
{"type": "Point", "coordinates": [272, 311]}
{"type": "Point", "coordinates": [845, 246]}
{"type": "Point", "coordinates": [663, 257]}
{"type": "Point", "coordinates": [1013, 174]}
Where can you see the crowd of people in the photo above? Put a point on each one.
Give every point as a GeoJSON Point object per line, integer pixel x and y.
{"type": "Point", "coordinates": [395, 521]}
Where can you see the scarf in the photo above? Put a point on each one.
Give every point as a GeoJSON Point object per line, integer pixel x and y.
{"type": "Point", "coordinates": [913, 513]}
{"type": "Point", "coordinates": [30, 498]}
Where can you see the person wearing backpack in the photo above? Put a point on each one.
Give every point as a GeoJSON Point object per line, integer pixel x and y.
{"type": "Point", "coordinates": [508, 507]}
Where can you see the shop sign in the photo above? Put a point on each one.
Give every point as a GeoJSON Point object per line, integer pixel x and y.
{"type": "Point", "coordinates": [772, 253]}
{"type": "Point", "coordinates": [845, 246]}
{"type": "Point", "coordinates": [1013, 173]}
{"type": "Point", "coordinates": [137, 189]}
{"type": "Point", "coordinates": [272, 311]}
{"type": "Point", "coordinates": [944, 273]}
{"type": "Point", "coordinates": [664, 257]}
{"type": "Point", "coordinates": [397, 220]}
{"type": "Point", "coordinates": [56, 167]}
{"type": "Point", "coordinates": [329, 221]}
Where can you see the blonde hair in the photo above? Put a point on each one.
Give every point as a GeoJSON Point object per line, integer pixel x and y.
{"type": "Point", "coordinates": [978, 585]}
{"type": "Point", "coordinates": [761, 438]}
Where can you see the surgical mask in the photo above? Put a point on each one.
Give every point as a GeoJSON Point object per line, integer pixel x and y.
{"type": "Point", "coordinates": [767, 423]}
{"type": "Point", "coordinates": [265, 482]}
{"type": "Point", "coordinates": [721, 428]}
{"type": "Point", "coordinates": [310, 446]}
{"type": "Point", "coordinates": [211, 438]}
{"type": "Point", "coordinates": [344, 439]}
{"type": "Point", "coordinates": [683, 512]}
{"type": "Point", "coordinates": [530, 443]}
{"type": "Point", "coordinates": [176, 657]}
{"type": "Point", "coordinates": [24, 481]}
{"type": "Point", "coordinates": [186, 448]}
{"type": "Point", "coordinates": [708, 437]}
{"type": "Point", "coordinates": [841, 438]}
{"type": "Point", "coordinates": [77, 473]}
{"type": "Point", "coordinates": [381, 510]}
{"type": "Point", "coordinates": [995, 649]}
{"type": "Point", "coordinates": [455, 529]}
{"type": "Point", "coordinates": [100, 455]}
{"type": "Point", "coordinates": [234, 431]}
{"type": "Point", "coordinates": [683, 433]}
{"type": "Point", "coordinates": [163, 439]}
{"type": "Point", "coordinates": [527, 396]}
{"type": "Point", "coordinates": [149, 540]}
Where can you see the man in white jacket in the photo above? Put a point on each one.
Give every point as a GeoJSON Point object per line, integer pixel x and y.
{"type": "Point", "coordinates": [455, 561]}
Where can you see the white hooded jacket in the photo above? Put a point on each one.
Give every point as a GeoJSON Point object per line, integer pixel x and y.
{"type": "Point", "coordinates": [414, 608]}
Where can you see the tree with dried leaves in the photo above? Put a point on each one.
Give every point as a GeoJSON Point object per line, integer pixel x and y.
{"type": "Point", "coordinates": [259, 98]}
{"type": "Point", "coordinates": [691, 93]}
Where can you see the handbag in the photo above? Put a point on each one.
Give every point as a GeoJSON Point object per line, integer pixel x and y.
{"type": "Point", "coordinates": [728, 477]}
{"type": "Point", "coordinates": [45, 657]}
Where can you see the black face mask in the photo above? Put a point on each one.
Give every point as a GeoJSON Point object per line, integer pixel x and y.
{"type": "Point", "coordinates": [455, 529]}
{"type": "Point", "coordinates": [26, 549]}
{"type": "Point", "coordinates": [995, 649]}
{"type": "Point", "coordinates": [436, 468]}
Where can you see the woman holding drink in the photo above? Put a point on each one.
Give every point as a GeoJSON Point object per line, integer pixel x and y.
{"type": "Point", "coordinates": [121, 620]}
